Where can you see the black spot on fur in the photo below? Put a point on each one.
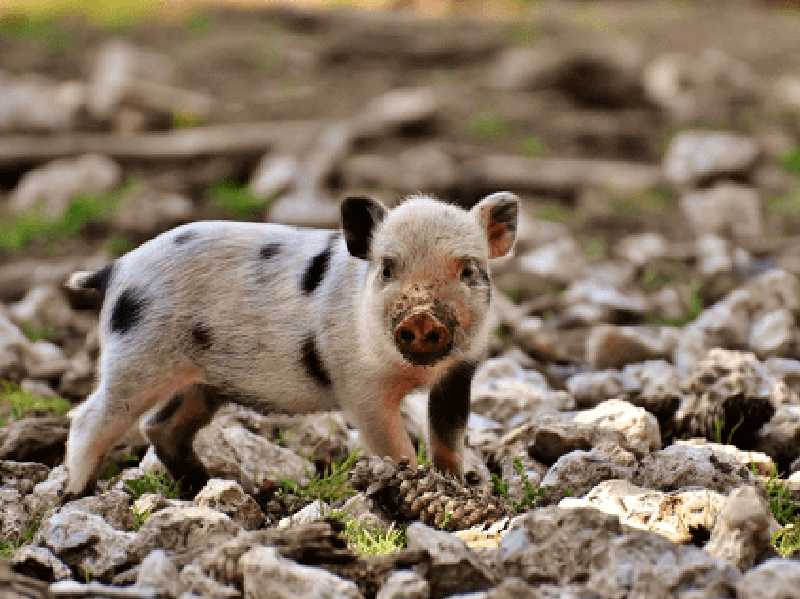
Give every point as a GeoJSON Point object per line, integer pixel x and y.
{"type": "Point", "coordinates": [201, 335]}
{"type": "Point", "coordinates": [448, 406]}
{"type": "Point", "coordinates": [269, 250]}
{"type": "Point", "coordinates": [313, 363]}
{"type": "Point", "coordinates": [128, 310]}
{"type": "Point", "coordinates": [100, 280]}
{"type": "Point", "coordinates": [315, 271]}
{"type": "Point", "coordinates": [184, 237]}
{"type": "Point", "coordinates": [360, 216]}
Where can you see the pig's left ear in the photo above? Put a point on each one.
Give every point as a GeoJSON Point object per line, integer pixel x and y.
{"type": "Point", "coordinates": [497, 216]}
{"type": "Point", "coordinates": [360, 217]}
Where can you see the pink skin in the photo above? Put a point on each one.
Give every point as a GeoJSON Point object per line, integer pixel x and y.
{"type": "Point", "coordinates": [116, 422]}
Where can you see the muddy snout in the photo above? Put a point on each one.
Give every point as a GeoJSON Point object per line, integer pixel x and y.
{"type": "Point", "coordinates": [424, 335]}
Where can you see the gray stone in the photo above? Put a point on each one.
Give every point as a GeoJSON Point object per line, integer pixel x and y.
{"type": "Point", "coordinates": [743, 529]}
{"type": "Point", "coordinates": [158, 572]}
{"type": "Point", "coordinates": [684, 466]}
{"type": "Point", "coordinates": [658, 387]}
{"type": "Point", "coordinates": [87, 542]}
{"type": "Point", "coordinates": [114, 506]}
{"type": "Point", "coordinates": [786, 369]}
{"type": "Point", "coordinates": [561, 175]}
{"type": "Point", "coordinates": [425, 167]}
{"type": "Point", "coordinates": [501, 389]}
{"type": "Point", "coordinates": [558, 546]}
{"type": "Point", "coordinates": [236, 453]}
{"type": "Point", "coordinates": [639, 427]}
{"type": "Point", "coordinates": [725, 208]}
{"type": "Point", "coordinates": [605, 296]}
{"type": "Point", "coordinates": [729, 387]}
{"type": "Point", "coordinates": [193, 578]}
{"type": "Point", "coordinates": [713, 255]}
{"type": "Point", "coordinates": [182, 528]}
{"type": "Point", "coordinates": [57, 182]}
{"type": "Point", "coordinates": [592, 388]}
{"type": "Point", "coordinates": [642, 248]}
{"type": "Point", "coordinates": [772, 334]}
{"type": "Point", "coordinates": [40, 562]}
{"type": "Point", "coordinates": [579, 471]}
{"type": "Point", "coordinates": [45, 360]}
{"type": "Point", "coordinates": [677, 515]}
{"type": "Point", "coordinates": [32, 103]}
{"type": "Point", "coordinates": [119, 67]}
{"type": "Point", "coordinates": [404, 584]}
{"type": "Point", "coordinates": [454, 567]}
{"type": "Point", "coordinates": [147, 211]}
{"type": "Point", "coordinates": [610, 346]}
{"type": "Point", "coordinates": [396, 109]}
{"type": "Point", "coordinates": [273, 176]}
{"type": "Point", "coordinates": [696, 156]}
{"type": "Point", "coordinates": [267, 575]}
{"type": "Point", "coordinates": [228, 497]}
{"type": "Point", "coordinates": [776, 577]}
{"type": "Point", "coordinates": [561, 261]}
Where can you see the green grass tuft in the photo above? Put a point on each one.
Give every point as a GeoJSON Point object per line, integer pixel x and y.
{"type": "Point", "coordinates": [486, 125]}
{"type": "Point", "coordinates": [22, 402]}
{"type": "Point", "coordinates": [19, 230]}
{"type": "Point", "coordinates": [236, 199]}
{"type": "Point", "coordinates": [186, 120]}
{"type": "Point", "coordinates": [532, 493]}
{"type": "Point", "coordinates": [532, 147]}
{"type": "Point", "coordinates": [373, 540]}
{"type": "Point", "coordinates": [556, 212]}
{"type": "Point", "coordinates": [154, 482]}
{"type": "Point", "coordinates": [12, 542]}
{"type": "Point", "coordinates": [422, 455]}
{"type": "Point", "coordinates": [784, 508]}
{"type": "Point", "coordinates": [791, 161]}
{"type": "Point", "coordinates": [34, 334]}
{"type": "Point", "coordinates": [330, 486]}
{"type": "Point", "coordinates": [139, 518]}
{"type": "Point", "coordinates": [41, 29]}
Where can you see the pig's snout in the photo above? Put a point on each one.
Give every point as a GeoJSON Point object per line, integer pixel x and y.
{"type": "Point", "coordinates": [423, 338]}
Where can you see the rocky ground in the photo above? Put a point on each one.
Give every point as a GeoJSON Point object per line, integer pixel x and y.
{"type": "Point", "coordinates": [636, 431]}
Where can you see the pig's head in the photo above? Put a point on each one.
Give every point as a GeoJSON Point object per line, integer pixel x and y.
{"type": "Point", "coordinates": [428, 290]}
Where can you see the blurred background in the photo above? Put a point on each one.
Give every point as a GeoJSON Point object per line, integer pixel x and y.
{"type": "Point", "coordinates": [654, 144]}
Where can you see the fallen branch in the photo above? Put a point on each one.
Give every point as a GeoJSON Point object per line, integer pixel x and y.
{"type": "Point", "coordinates": [240, 138]}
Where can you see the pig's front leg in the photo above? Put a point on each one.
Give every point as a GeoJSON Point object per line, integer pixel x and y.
{"type": "Point", "coordinates": [448, 412]}
{"type": "Point", "coordinates": [377, 417]}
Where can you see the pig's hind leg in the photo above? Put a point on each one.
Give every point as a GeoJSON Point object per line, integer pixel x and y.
{"type": "Point", "coordinates": [171, 429]}
{"type": "Point", "coordinates": [122, 396]}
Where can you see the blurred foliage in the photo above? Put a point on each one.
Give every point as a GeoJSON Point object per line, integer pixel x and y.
{"type": "Point", "coordinates": [596, 248]}
{"type": "Point", "coordinates": [236, 199]}
{"type": "Point", "coordinates": [485, 124]}
{"type": "Point", "coordinates": [39, 28]}
{"type": "Point", "coordinates": [556, 212]}
{"type": "Point", "coordinates": [532, 147]}
{"type": "Point", "coordinates": [21, 402]}
{"type": "Point", "coordinates": [117, 245]}
{"type": "Point", "coordinates": [18, 230]}
{"type": "Point", "coordinates": [791, 161]}
{"type": "Point", "coordinates": [35, 334]}
{"type": "Point", "coordinates": [186, 120]}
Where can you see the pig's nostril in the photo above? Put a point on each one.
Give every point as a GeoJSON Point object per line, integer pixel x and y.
{"type": "Point", "coordinates": [433, 337]}
{"type": "Point", "coordinates": [407, 336]}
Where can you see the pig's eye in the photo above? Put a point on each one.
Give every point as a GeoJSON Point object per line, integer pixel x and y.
{"type": "Point", "coordinates": [467, 272]}
{"type": "Point", "coordinates": [389, 268]}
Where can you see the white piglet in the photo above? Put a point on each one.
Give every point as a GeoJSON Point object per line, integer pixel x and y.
{"type": "Point", "coordinates": [294, 320]}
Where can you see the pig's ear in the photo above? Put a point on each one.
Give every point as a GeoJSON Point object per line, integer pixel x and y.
{"type": "Point", "coordinates": [497, 216]}
{"type": "Point", "coordinates": [360, 216]}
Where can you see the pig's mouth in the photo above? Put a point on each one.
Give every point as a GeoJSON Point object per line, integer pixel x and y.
{"type": "Point", "coordinates": [424, 335]}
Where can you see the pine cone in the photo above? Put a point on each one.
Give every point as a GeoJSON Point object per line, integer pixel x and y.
{"type": "Point", "coordinates": [424, 493]}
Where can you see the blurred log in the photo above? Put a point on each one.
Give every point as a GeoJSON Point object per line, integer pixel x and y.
{"type": "Point", "coordinates": [240, 138]}
{"type": "Point", "coordinates": [560, 175]}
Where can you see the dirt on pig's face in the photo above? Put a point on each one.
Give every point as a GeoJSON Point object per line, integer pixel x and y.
{"type": "Point", "coordinates": [429, 282]}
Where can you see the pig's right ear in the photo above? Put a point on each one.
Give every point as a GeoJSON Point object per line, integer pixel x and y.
{"type": "Point", "coordinates": [360, 217]}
